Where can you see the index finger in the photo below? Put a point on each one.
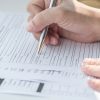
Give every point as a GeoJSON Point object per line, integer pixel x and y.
{"type": "Point", "coordinates": [35, 6]}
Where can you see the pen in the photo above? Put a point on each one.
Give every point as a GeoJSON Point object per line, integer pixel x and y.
{"type": "Point", "coordinates": [45, 31]}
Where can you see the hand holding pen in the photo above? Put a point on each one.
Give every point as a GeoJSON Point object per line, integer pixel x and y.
{"type": "Point", "coordinates": [69, 19]}
{"type": "Point", "coordinates": [45, 31]}
{"type": "Point", "coordinates": [39, 15]}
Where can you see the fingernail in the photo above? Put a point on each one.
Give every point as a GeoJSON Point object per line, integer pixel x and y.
{"type": "Point", "coordinates": [53, 41]}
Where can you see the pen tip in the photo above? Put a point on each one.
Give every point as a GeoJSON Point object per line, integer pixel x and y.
{"type": "Point", "coordinates": [38, 51]}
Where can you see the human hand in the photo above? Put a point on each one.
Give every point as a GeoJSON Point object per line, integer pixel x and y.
{"type": "Point", "coordinates": [91, 67]}
{"type": "Point", "coordinates": [69, 19]}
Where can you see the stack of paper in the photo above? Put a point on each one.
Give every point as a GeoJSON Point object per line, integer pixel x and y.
{"type": "Point", "coordinates": [55, 72]}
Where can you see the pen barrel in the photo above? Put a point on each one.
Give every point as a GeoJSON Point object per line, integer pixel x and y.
{"type": "Point", "coordinates": [44, 33]}
{"type": "Point", "coordinates": [52, 3]}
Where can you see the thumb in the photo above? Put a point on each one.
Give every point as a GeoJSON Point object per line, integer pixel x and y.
{"type": "Point", "coordinates": [44, 18]}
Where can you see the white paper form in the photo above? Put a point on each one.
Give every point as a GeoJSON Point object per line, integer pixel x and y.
{"type": "Point", "coordinates": [45, 89]}
{"type": "Point", "coordinates": [18, 59]}
{"type": "Point", "coordinates": [19, 46]}
{"type": "Point", "coordinates": [18, 54]}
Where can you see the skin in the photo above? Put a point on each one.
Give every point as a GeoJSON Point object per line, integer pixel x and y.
{"type": "Point", "coordinates": [91, 67]}
{"type": "Point", "coordinates": [70, 19]}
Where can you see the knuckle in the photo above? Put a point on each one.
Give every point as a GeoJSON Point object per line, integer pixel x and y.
{"type": "Point", "coordinates": [37, 21]}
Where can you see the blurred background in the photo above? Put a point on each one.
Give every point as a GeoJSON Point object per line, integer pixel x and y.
{"type": "Point", "coordinates": [13, 5]}
{"type": "Point", "coordinates": [92, 3]}
{"type": "Point", "coordinates": [21, 5]}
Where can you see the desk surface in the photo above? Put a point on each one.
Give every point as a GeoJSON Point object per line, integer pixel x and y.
{"type": "Point", "coordinates": [13, 5]}
{"type": "Point", "coordinates": [17, 6]}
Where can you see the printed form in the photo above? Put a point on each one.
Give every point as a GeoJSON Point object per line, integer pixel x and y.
{"type": "Point", "coordinates": [55, 72]}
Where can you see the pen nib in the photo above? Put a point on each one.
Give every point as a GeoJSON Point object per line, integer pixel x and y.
{"type": "Point", "coordinates": [39, 49]}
